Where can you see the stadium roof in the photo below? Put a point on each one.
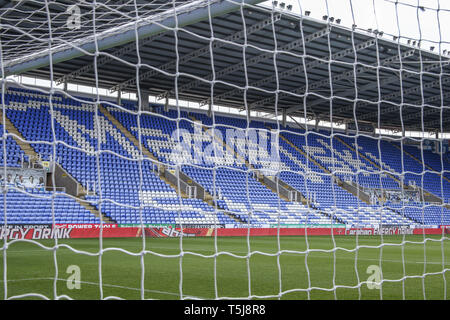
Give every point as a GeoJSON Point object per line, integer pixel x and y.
{"type": "Point", "coordinates": [396, 84]}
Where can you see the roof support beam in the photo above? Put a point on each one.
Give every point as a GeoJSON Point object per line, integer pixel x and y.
{"type": "Point", "coordinates": [119, 98]}
{"type": "Point", "coordinates": [104, 59]}
{"type": "Point", "coordinates": [318, 84]}
{"type": "Point", "coordinates": [144, 104]}
{"type": "Point", "coordinates": [438, 122]}
{"type": "Point", "coordinates": [187, 13]}
{"type": "Point", "coordinates": [417, 104]}
{"type": "Point", "coordinates": [251, 61]}
{"type": "Point", "coordinates": [405, 75]}
{"type": "Point", "coordinates": [171, 65]}
{"type": "Point", "coordinates": [296, 70]}
{"type": "Point", "coordinates": [412, 90]}
{"type": "Point", "coordinates": [284, 118]}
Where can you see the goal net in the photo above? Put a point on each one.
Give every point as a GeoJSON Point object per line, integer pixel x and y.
{"type": "Point", "coordinates": [225, 150]}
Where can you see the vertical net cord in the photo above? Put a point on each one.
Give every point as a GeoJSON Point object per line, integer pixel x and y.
{"type": "Point", "coordinates": [246, 153]}
{"type": "Point", "coordinates": [100, 192]}
{"type": "Point", "coordinates": [401, 145]}
{"type": "Point", "coordinates": [141, 154]}
{"type": "Point", "coordinates": [332, 150]}
{"type": "Point", "coordinates": [306, 174]}
{"type": "Point", "coordinates": [215, 145]}
{"type": "Point", "coordinates": [178, 166]}
{"type": "Point", "coordinates": [54, 145]}
{"type": "Point", "coordinates": [378, 103]}
{"type": "Point", "coordinates": [421, 154]}
{"type": "Point", "coordinates": [98, 152]}
{"type": "Point", "coordinates": [277, 173]}
{"type": "Point", "coordinates": [355, 102]}
{"type": "Point", "coordinates": [4, 185]}
{"type": "Point", "coordinates": [216, 289]}
{"type": "Point", "coordinates": [442, 153]}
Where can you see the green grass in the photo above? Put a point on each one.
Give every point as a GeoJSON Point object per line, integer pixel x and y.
{"type": "Point", "coordinates": [202, 274]}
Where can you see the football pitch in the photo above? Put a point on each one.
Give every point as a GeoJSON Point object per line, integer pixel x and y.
{"type": "Point", "coordinates": [315, 267]}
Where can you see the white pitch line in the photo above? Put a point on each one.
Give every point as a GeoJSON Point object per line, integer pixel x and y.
{"type": "Point", "coordinates": [98, 284]}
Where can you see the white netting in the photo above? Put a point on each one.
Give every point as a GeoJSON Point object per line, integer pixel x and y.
{"type": "Point", "coordinates": [265, 120]}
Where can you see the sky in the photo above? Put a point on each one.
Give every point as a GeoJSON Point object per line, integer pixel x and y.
{"type": "Point", "coordinates": [402, 18]}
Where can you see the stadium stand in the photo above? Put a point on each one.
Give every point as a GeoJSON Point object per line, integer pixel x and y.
{"type": "Point", "coordinates": [128, 191]}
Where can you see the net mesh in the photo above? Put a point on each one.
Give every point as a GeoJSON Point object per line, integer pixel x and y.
{"type": "Point", "coordinates": [340, 131]}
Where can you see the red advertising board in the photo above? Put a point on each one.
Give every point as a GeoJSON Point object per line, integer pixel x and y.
{"type": "Point", "coordinates": [73, 231]}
